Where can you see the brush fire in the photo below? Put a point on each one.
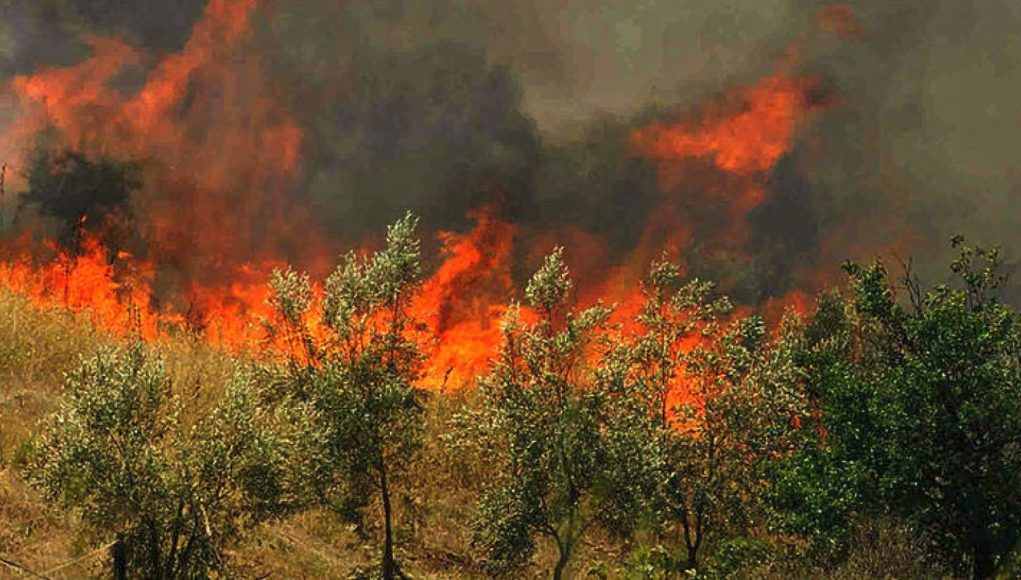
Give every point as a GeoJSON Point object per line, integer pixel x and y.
{"type": "Point", "coordinates": [218, 158]}
{"type": "Point", "coordinates": [505, 288]}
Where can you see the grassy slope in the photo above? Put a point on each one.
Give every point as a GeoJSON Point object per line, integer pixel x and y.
{"type": "Point", "coordinates": [36, 348]}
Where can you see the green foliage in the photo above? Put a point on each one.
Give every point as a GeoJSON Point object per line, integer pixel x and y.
{"type": "Point", "coordinates": [555, 425]}
{"type": "Point", "coordinates": [882, 431]}
{"type": "Point", "coordinates": [919, 414]}
{"type": "Point", "coordinates": [734, 557]}
{"type": "Point", "coordinates": [818, 490]}
{"type": "Point", "coordinates": [549, 286]}
{"type": "Point", "coordinates": [721, 399]}
{"type": "Point", "coordinates": [118, 452]}
{"type": "Point", "coordinates": [359, 376]}
{"type": "Point", "coordinates": [650, 563]}
{"type": "Point", "coordinates": [613, 443]}
{"type": "Point", "coordinates": [736, 554]}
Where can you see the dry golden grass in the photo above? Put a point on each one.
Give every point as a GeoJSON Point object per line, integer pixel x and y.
{"type": "Point", "coordinates": [37, 348]}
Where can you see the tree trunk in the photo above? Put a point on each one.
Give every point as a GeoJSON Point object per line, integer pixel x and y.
{"type": "Point", "coordinates": [561, 568]}
{"type": "Point", "coordinates": [389, 567]}
{"type": "Point", "coordinates": [155, 567]}
{"type": "Point", "coordinates": [692, 543]}
{"type": "Point", "coordinates": [120, 559]}
{"type": "Point", "coordinates": [983, 565]}
{"type": "Point", "coordinates": [692, 558]}
{"type": "Point", "coordinates": [983, 560]}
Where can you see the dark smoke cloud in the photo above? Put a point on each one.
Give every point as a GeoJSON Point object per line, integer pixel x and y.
{"type": "Point", "coordinates": [35, 33]}
{"type": "Point", "coordinates": [404, 109]}
{"type": "Point", "coordinates": [617, 56]}
{"type": "Point", "coordinates": [924, 144]}
{"type": "Point", "coordinates": [439, 105]}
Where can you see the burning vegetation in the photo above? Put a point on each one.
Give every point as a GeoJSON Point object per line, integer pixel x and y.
{"type": "Point", "coordinates": [222, 190]}
{"type": "Point", "coordinates": [173, 201]}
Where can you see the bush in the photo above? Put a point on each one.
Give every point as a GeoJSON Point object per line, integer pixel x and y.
{"type": "Point", "coordinates": [918, 414]}
{"type": "Point", "coordinates": [173, 495]}
{"type": "Point", "coordinates": [566, 458]}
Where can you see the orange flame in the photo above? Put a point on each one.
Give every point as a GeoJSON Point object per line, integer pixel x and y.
{"type": "Point", "coordinates": [220, 153]}
{"type": "Point", "coordinates": [743, 145]}
{"type": "Point", "coordinates": [87, 283]}
{"type": "Point", "coordinates": [462, 303]}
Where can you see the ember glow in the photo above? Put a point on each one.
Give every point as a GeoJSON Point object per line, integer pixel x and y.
{"type": "Point", "coordinates": [221, 158]}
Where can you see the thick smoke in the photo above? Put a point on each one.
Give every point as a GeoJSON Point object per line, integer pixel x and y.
{"type": "Point", "coordinates": [432, 104]}
{"type": "Point", "coordinates": [439, 106]}
{"type": "Point", "coordinates": [52, 32]}
{"type": "Point", "coordinates": [925, 143]}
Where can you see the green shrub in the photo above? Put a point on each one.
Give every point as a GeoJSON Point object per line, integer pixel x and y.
{"type": "Point", "coordinates": [173, 495]}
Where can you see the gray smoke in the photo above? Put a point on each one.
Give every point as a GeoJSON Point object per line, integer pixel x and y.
{"type": "Point", "coordinates": [38, 33]}
{"type": "Point", "coordinates": [441, 105]}
{"type": "Point", "coordinates": [925, 143]}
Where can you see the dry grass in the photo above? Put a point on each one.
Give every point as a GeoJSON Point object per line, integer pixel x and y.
{"type": "Point", "coordinates": [37, 348]}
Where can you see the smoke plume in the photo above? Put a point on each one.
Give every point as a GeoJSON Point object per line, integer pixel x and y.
{"type": "Point", "coordinates": [885, 126]}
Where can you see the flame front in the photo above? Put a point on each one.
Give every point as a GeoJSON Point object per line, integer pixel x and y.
{"type": "Point", "coordinates": [219, 153]}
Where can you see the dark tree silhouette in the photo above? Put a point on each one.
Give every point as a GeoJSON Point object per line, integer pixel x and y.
{"type": "Point", "coordinates": [80, 193]}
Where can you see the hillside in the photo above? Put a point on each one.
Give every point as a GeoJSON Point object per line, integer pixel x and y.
{"type": "Point", "coordinates": [36, 348]}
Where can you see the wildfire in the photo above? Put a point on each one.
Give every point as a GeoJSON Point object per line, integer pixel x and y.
{"type": "Point", "coordinates": [462, 303]}
{"type": "Point", "coordinates": [742, 144]}
{"type": "Point", "coordinates": [88, 283]}
{"type": "Point", "coordinates": [218, 151]}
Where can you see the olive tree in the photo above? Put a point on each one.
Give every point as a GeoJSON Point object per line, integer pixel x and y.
{"type": "Point", "coordinates": [173, 494]}
{"type": "Point", "coordinates": [919, 398]}
{"type": "Point", "coordinates": [81, 193]}
{"type": "Point", "coordinates": [720, 396]}
{"type": "Point", "coordinates": [560, 433]}
{"type": "Point", "coordinates": [357, 368]}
